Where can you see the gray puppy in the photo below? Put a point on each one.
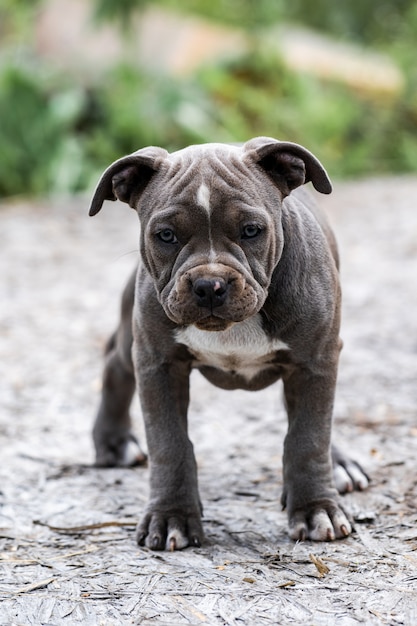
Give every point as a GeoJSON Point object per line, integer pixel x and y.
{"type": "Point", "coordinates": [238, 277]}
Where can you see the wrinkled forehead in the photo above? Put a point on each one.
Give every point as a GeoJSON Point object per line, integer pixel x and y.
{"type": "Point", "coordinates": [201, 171]}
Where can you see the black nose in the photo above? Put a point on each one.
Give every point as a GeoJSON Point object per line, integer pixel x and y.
{"type": "Point", "coordinates": [210, 292]}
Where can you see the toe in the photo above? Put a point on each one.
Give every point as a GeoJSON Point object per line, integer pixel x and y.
{"type": "Point", "coordinates": [359, 478]}
{"type": "Point", "coordinates": [341, 524]}
{"type": "Point", "coordinates": [176, 540]}
{"type": "Point", "coordinates": [321, 527]}
{"type": "Point", "coordinates": [298, 528]}
{"type": "Point", "coordinates": [342, 480]}
{"type": "Point", "coordinates": [132, 454]}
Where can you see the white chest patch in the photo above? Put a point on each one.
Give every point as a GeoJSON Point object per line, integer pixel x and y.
{"type": "Point", "coordinates": [244, 348]}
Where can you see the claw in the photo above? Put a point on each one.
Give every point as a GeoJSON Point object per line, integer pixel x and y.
{"type": "Point", "coordinates": [172, 544]}
{"type": "Point", "coordinates": [344, 530]}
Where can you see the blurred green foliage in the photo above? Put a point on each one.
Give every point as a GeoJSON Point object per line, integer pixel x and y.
{"type": "Point", "coordinates": [57, 135]}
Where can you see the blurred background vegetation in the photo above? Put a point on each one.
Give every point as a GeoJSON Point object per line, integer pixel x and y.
{"type": "Point", "coordinates": [59, 131]}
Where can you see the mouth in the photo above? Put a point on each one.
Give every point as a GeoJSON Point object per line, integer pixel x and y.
{"type": "Point", "coordinates": [213, 324]}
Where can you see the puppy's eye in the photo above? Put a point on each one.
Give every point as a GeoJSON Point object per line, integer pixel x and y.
{"type": "Point", "coordinates": [250, 231]}
{"type": "Point", "coordinates": [167, 235]}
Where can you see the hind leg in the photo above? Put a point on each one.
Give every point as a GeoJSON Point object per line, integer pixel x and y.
{"type": "Point", "coordinates": [114, 441]}
{"type": "Point", "coordinates": [348, 474]}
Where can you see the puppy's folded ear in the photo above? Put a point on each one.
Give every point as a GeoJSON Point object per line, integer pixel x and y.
{"type": "Point", "coordinates": [288, 164]}
{"type": "Point", "coordinates": [126, 178]}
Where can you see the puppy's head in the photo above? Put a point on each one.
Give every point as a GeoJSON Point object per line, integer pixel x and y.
{"type": "Point", "coordinates": [211, 232]}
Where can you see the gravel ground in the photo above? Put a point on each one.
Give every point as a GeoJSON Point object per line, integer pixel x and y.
{"type": "Point", "coordinates": [67, 548]}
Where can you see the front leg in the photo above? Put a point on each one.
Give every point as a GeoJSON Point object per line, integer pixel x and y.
{"type": "Point", "coordinates": [173, 516]}
{"type": "Point", "coordinates": [309, 494]}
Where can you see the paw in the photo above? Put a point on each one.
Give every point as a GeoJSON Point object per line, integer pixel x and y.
{"type": "Point", "coordinates": [170, 530]}
{"type": "Point", "coordinates": [348, 474]}
{"type": "Point", "coordinates": [119, 451]}
{"type": "Point", "coordinates": [325, 521]}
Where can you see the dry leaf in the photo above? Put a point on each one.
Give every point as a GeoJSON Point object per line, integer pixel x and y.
{"type": "Point", "coordinates": [321, 567]}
